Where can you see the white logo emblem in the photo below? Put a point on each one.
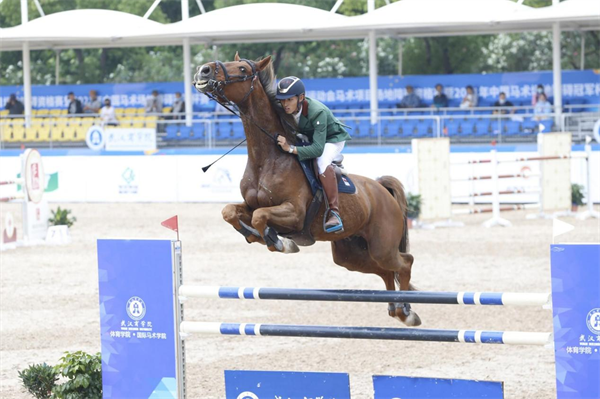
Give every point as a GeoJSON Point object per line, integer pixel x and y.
{"type": "Point", "coordinates": [136, 308]}
{"type": "Point", "coordinates": [94, 138]}
{"type": "Point", "coordinates": [593, 320]}
{"type": "Point", "coordinates": [247, 395]}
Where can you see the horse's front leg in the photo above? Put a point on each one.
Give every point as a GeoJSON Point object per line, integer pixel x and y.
{"type": "Point", "coordinates": [285, 216]}
{"type": "Point", "coordinates": [240, 217]}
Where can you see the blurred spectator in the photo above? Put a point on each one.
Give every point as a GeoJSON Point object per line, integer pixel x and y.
{"type": "Point", "coordinates": [470, 100]}
{"type": "Point", "coordinates": [107, 114]}
{"type": "Point", "coordinates": [536, 96]}
{"type": "Point", "coordinates": [74, 105]}
{"type": "Point", "coordinates": [410, 100]}
{"type": "Point", "coordinates": [154, 104]}
{"type": "Point", "coordinates": [543, 108]}
{"type": "Point", "coordinates": [93, 107]}
{"type": "Point", "coordinates": [178, 107]}
{"type": "Point", "coordinates": [503, 102]}
{"type": "Point", "coordinates": [14, 106]}
{"type": "Point", "coordinates": [439, 100]}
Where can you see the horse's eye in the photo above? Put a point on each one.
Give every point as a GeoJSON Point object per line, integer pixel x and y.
{"type": "Point", "coordinates": [242, 69]}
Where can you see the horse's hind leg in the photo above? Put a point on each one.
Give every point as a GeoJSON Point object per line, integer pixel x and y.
{"type": "Point", "coordinates": [353, 254]}
{"type": "Point", "coordinates": [384, 251]}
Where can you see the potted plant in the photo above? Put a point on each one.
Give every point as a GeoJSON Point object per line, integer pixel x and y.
{"type": "Point", "coordinates": [576, 196]}
{"type": "Point", "coordinates": [61, 217]}
{"type": "Point", "coordinates": [414, 207]}
{"type": "Point", "coordinates": [58, 231]}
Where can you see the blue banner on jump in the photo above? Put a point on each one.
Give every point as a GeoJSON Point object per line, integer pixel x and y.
{"type": "Point", "coordinates": [576, 311]}
{"type": "Point", "coordinates": [580, 87]}
{"type": "Point", "coordinates": [394, 387]}
{"type": "Point", "coordinates": [137, 319]}
{"type": "Point", "coordinates": [284, 384]}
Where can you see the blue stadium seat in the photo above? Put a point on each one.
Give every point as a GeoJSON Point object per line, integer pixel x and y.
{"type": "Point", "coordinates": [392, 129]}
{"type": "Point", "coordinates": [511, 128]}
{"type": "Point", "coordinates": [409, 127]}
{"type": "Point", "coordinates": [172, 132]}
{"type": "Point", "coordinates": [467, 127]}
{"type": "Point", "coordinates": [530, 126]}
{"type": "Point", "coordinates": [425, 128]}
{"type": "Point", "coordinates": [351, 126]}
{"type": "Point", "coordinates": [450, 127]}
{"type": "Point", "coordinates": [482, 127]}
{"type": "Point", "coordinates": [220, 131]}
{"type": "Point", "coordinates": [363, 128]}
{"type": "Point", "coordinates": [238, 131]}
{"type": "Point", "coordinates": [197, 131]}
{"type": "Point", "coordinates": [185, 132]}
{"type": "Point", "coordinates": [548, 125]}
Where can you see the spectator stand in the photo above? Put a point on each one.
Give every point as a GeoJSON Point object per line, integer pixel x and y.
{"type": "Point", "coordinates": [51, 128]}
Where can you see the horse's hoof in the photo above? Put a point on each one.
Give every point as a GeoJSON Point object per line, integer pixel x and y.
{"type": "Point", "coordinates": [289, 246]}
{"type": "Point", "coordinates": [405, 315]}
{"type": "Point", "coordinates": [412, 320]}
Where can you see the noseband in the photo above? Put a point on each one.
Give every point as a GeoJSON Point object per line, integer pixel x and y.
{"type": "Point", "coordinates": [218, 86]}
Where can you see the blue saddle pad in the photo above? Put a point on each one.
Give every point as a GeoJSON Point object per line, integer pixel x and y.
{"type": "Point", "coordinates": [345, 184]}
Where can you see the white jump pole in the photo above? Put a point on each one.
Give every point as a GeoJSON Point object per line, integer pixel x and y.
{"type": "Point", "coordinates": [496, 220]}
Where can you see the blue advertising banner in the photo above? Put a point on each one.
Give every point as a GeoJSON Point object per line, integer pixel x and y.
{"type": "Point", "coordinates": [580, 87]}
{"type": "Point", "coordinates": [395, 387]}
{"type": "Point", "coordinates": [576, 312]}
{"type": "Point", "coordinates": [285, 385]}
{"type": "Point", "coordinates": [137, 319]}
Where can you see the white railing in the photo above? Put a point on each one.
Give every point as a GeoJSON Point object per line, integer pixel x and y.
{"type": "Point", "coordinates": [212, 129]}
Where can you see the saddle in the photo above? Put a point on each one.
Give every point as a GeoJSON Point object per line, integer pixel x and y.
{"type": "Point", "coordinates": [310, 169]}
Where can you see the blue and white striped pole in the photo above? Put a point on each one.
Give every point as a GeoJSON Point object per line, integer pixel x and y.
{"type": "Point", "coordinates": [401, 334]}
{"type": "Point", "coordinates": [448, 298]}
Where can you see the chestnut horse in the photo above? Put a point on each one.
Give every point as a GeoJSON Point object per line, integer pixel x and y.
{"type": "Point", "coordinates": [276, 192]}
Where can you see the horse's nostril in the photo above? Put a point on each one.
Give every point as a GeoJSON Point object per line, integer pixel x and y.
{"type": "Point", "coordinates": [205, 70]}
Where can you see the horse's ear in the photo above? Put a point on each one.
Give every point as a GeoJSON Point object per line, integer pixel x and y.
{"type": "Point", "coordinates": [262, 64]}
{"type": "Point", "coordinates": [237, 56]}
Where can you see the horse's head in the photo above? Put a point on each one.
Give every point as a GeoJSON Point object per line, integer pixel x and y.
{"type": "Point", "coordinates": [229, 81]}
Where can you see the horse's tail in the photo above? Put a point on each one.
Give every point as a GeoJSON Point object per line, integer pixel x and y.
{"type": "Point", "coordinates": [396, 188]}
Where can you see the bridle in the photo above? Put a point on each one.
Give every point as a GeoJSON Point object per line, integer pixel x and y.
{"type": "Point", "coordinates": [218, 87]}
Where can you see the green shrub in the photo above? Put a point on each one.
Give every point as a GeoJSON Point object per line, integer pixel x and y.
{"type": "Point", "coordinates": [84, 374]}
{"type": "Point", "coordinates": [61, 217]}
{"type": "Point", "coordinates": [576, 194]}
{"type": "Point", "coordinates": [414, 205]}
{"type": "Point", "coordinates": [39, 380]}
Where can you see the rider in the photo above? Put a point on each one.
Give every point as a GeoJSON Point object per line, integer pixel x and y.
{"type": "Point", "coordinates": [327, 136]}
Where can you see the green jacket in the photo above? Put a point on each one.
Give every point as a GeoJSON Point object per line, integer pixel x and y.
{"type": "Point", "coordinates": [318, 123]}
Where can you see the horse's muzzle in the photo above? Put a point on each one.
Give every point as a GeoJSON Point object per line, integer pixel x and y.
{"type": "Point", "coordinates": [204, 79]}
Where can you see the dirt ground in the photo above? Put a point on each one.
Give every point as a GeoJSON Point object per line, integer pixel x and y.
{"type": "Point", "coordinates": [49, 300]}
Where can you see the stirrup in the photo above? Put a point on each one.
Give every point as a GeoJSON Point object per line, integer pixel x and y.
{"type": "Point", "coordinates": [338, 228]}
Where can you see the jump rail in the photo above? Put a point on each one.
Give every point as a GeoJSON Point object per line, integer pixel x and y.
{"type": "Point", "coordinates": [398, 334]}
{"type": "Point", "coordinates": [293, 294]}
{"type": "Point", "coordinates": [9, 182]}
{"type": "Point", "coordinates": [490, 177]}
{"type": "Point", "coordinates": [15, 197]}
{"type": "Point", "coordinates": [521, 159]}
{"type": "Point", "coordinates": [490, 210]}
{"type": "Point", "coordinates": [515, 191]}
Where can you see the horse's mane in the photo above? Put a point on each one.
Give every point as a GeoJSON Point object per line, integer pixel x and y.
{"type": "Point", "coordinates": [267, 79]}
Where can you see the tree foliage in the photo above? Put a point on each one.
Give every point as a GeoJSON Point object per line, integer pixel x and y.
{"type": "Point", "coordinates": [429, 55]}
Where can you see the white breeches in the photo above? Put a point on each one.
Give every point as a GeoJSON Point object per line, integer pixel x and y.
{"type": "Point", "coordinates": [330, 152]}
